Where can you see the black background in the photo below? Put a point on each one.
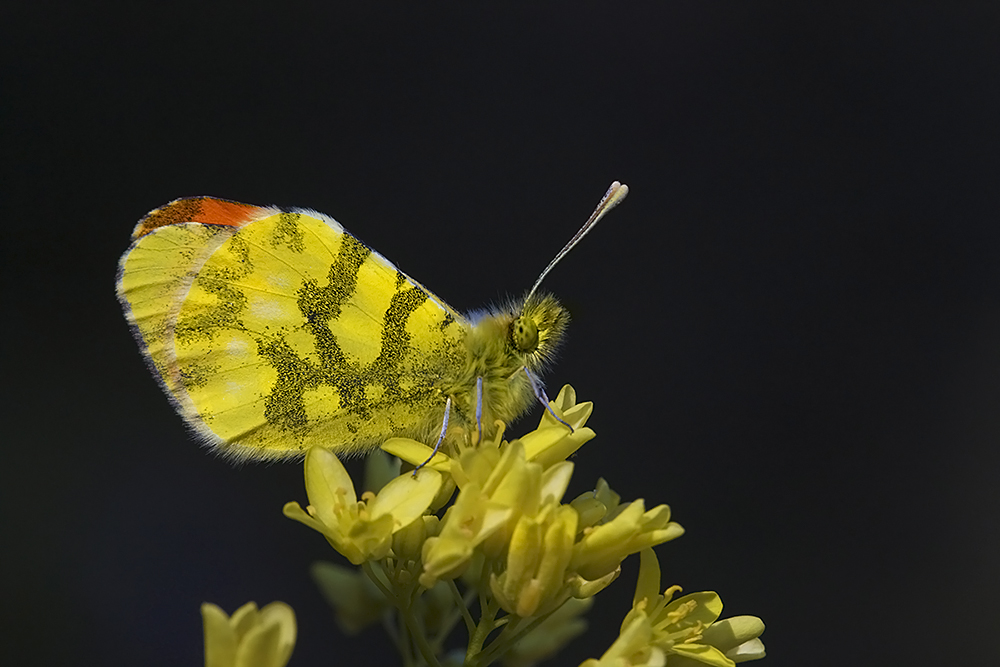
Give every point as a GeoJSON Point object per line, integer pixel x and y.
{"type": "Point", "coordinates": [791, 328]}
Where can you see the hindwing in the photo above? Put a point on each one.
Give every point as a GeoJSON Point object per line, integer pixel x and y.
{"type": "Point", "coordinates": [275, 330]}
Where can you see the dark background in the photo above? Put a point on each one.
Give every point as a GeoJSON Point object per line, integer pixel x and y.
{"type": "Point", "coordinates": [791, 329]}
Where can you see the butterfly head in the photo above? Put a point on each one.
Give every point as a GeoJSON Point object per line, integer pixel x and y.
{"type": "Point", "coordinates": [537, 330]}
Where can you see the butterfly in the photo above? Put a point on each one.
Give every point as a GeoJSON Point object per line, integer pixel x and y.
{"type": "Point", "coordinates": [273, 330]}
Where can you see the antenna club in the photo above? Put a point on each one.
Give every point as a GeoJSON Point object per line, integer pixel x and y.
{"type": "Point", "coordinates": [614, 196]}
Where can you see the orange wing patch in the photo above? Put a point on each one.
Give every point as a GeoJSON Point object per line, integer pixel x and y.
{"type": "Point", "coordinates": [205, 210]}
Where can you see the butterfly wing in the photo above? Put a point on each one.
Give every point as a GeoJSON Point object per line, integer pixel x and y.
{"type": "Point", "coordinates": [274, 331]}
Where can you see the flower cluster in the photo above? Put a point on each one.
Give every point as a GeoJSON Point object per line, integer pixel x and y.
{"type": "Point", "coordinates": [251, 637]}
{"type": "Point", "coordinates": [685, 632]}
{"type": "Point", "coordinates": [489, 524]}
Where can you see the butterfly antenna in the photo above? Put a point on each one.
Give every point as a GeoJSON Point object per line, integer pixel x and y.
{"type": "Point", "coordinates": [614, 196]}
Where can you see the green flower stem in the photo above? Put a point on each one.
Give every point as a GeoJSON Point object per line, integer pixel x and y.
{"type": "Point", "coordinates": [415, 623]}
{"type": "Point", "coordinates": [484, 586]}
{"type": "Point", "coordinates": [509, 636]}
{"type": "Point", "coordinates": [462, 606]}
{"type": "Point", "coordinates": [487, 624]}
{"type": "Point", "coordinates": [419, 638]}
{"type": "Point", "coordinates": [460, 610]}
{"type": "Point", "coordinates": [370, 571]}
{"type": "Point", "coordinates": [393, 626]}
{"type": "Point", "coordinates": [406, 613]}
{"type": "Point", "coordinates": [404, 645]}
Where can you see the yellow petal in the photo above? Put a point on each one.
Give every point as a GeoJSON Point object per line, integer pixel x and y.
{"type": "Point", "coordinates": [328, 486]}
{"type": "Point", "coordinates": [443, 559]}
{"type": "Point", "coordinates": [730, 633]}
{"type": "Point", "coordinates": [259, 647]}
{"type": "Point", "coordinates": [523, 555]}
{"type": "Point", "coordinates": [565, 399]}
{"type": "Point", "coordinates": [672, 531]}
{"type": "Point", "coordinates": [604, 493]}
{"type": "Point", "coordinates": [747, 651]}
{"type": "Point", "coordinates": [606, 545]}
{"type": "Point", "coordinates": [220, 640]}
{"type": "Point", "coordinates": [548, 446]}
{"type": "Point", "coordinates": [519, 489]}
{"type": "Point", "coordinates": [618, 530]}
{"type": "Point", "coordinates": [529, 598]}
{"type": "Point", "coordinates": [556, 553]}
{"type": "Point", "coordinates": [707, 607]}
{"type": "Point", "coordinates": [407, 497]}
{"type": "Point", "coordinates": [476, 465]}
{"type": "Point", "coordinates": [590, 509]}
{"type": "Point", "coordinates": [565, 405]}
{"type": "Point", "coordinates": [657, 517]}
{"type": "Point", "coordinates": [582, 588]}
{"type": "Point", "coordinates": [647, 588]}
{"type": "Point", "coordinates": [243, 620]}
{"type": "Point", "coordinates": [280, 614]}
{"type": "Point", "coordinates": [416, 453]}
{"type": "Point", "coordinates": [578, 415]}
{"type": "Point", "coordinates": [466, 524]}
{"type": "Point", "coordinates": [371, 537]}
{"type": "Point", "coordinates": [555, 481]}
{"type": "Point", "coordinates": [294, 511]}
{"type": "Point", "coordinates": [349, 549]}
{"type": "Point", "coordinates": [708, 655]}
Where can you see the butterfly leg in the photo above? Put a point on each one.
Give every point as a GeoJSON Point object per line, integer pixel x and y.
{"type": "Point", "coordinates": [479, 410]}
{"type": "Point", "coordinates": [536, 386]}
{"type": "Point", "coordinates": [437, 445]}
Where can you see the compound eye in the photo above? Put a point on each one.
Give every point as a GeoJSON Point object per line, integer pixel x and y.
{"type": "Point", "coordinates": [524, 334]}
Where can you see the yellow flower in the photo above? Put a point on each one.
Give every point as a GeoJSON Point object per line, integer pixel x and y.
{"type": "Point", "coordinates": [251, 637]}
{"type": "Point", "coordinates": [565, 405]}
{"type": "Point", "coordinates": [552, 442]}
{"type": "Point", "coordinates": [687, 628]}
{"type": "Point", "coordinates": [534, 581]}
{"type": "Point", "coordinates": [507, 480]}
{"type": "Point", "coordinates": [498, 487]}
{"type": "Point", "coordinates": [360, 530]}
{"type": "Point", "coordinates": [466, 524]}
{"type": "Point", "coordinates": [594, 505]}
{"type": "Point", "coordinates": [630, 529]}
{"type": "Point", "coordinates": [513, 482]}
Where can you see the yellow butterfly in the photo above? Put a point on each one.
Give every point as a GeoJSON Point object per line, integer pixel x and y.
{"type": "Point", "coordinates": [274, 330]}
